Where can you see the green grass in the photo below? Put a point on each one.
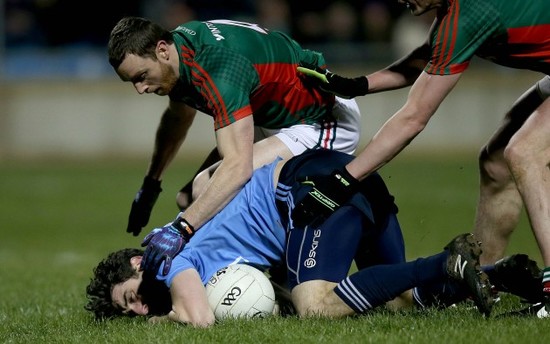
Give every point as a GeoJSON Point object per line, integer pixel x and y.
{"type": "Point", "coordinates": [59, 218]}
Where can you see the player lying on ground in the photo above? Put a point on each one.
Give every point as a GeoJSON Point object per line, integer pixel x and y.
{"type": "Point", "coordinates": [256, 228]}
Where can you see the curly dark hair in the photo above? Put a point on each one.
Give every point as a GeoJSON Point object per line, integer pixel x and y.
{"type": "Point", "coordinates": [135, 35]}
{"type": "Point", "coordinates": [114, 269]}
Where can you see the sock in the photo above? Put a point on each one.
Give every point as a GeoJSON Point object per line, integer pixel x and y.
{"type": "Point", "coordinates": [440, 294]}
{"type": "Point", "coordinates": [546, 281]}
{"type": "Point", "coordinates": [374, 286]}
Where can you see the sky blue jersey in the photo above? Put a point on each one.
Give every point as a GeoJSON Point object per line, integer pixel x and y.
{"type": "Point", "coordinates": [247, 230]}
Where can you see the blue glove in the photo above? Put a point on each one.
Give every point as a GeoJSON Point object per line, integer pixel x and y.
{"type": "Point", "coordinates": [163, 244]}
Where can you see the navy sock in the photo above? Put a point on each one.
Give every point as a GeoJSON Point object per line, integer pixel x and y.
{"type": "Point", "coordinates": [374, 286]}
{"type": "Point", "coordinates": [440, 294]}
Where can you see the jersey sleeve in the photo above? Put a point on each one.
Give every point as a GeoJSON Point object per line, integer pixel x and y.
{"type": "Point", "coordinates": [459, 34]}
{"type": "Point", "coordinates": [181, 262]}
{"type": "Point", "coordinates": [226, 80]}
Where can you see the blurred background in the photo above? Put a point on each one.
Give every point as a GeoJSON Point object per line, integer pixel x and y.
{"type": "Point", "coordinates": [59, 96]}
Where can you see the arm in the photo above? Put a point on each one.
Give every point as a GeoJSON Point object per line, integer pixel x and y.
{"type": "Point", "coordinates": [401, 73]}
{"type": "Point", "coordinates": [173, 127]}
{"type": "Point", "coordinates": [235, 143]}
{"type": "Point", "coordinates": [189, 301]}
{"type": "Point", "coordinates": [427, 93]}
{"type": "Point", "coordinates": [328, 193]}
{"type": "Point", "coordinates": [171, 132]}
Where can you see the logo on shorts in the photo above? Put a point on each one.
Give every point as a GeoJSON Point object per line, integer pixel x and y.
{"type": "Point", "coordinates": [310, 261]}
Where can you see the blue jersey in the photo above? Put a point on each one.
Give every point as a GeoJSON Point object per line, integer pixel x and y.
{"type": "Point", "coordinates": [247, 230]}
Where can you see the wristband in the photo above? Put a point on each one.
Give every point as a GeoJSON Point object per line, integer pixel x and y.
{"type": "Point", "coordinates": [185, 229]}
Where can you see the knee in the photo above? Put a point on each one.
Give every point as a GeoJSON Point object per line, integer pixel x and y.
{"type": "Point", "coordinates": [519, 157]}
{"type": "Point", "coordinates": [493, 168]}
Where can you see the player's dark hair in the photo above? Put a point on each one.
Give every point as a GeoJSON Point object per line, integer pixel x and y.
{"type": "Point", "coordinates": [135, 35]}
{"type": "Point", "coordinates": [115, 269]}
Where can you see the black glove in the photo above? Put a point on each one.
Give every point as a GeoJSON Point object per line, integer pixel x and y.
{"type": "Point", "coordinates": [328, 193]}
{"type": "Point", "coordinates": [143, 205]}
{"type": "Point", "coordinates": [329, 82]}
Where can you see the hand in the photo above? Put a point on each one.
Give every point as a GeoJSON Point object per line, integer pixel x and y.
{"type": "Point", "coordinates": [163, 244]}
{"type": "Point", "coordinates": [329, 82]}
{"type": "Point", "coordinates": [328, 193]}
{"type": "Point", "coordinates": [143, 205]}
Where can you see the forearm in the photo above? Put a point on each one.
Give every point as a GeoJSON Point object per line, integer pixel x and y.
{"type": "Point", "coordinates": [170, 134]}
{"type": "Point", "coordinates": [391, 139]}
{"type": "Point", "coordinates": [401, 73]}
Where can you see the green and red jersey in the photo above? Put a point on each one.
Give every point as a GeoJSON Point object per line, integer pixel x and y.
{"type": "Point", "coordinates": [231, 70]}
{"type": "Point", "coordinates": [513, 33]}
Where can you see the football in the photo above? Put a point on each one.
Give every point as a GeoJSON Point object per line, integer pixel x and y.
{"type": "Point", "coordinates": [240, 291]}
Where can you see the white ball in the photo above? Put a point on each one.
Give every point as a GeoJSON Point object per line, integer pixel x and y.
{"type": "Point", "coordinates": [240, 290]}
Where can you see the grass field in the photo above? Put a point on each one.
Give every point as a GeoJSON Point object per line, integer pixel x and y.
{"type": "Point", "coordinates": [59, 218]}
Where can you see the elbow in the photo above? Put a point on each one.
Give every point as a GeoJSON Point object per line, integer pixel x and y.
{"type": "Point", "coordinates": [203, 321]}
{"type": "Point", "coordinates": [199, 319]}
{"type": "Point", "coordinates": [416, 118]}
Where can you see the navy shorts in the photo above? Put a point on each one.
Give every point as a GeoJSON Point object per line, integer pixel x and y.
{"type": "Point", "coordinates": [365, 229]}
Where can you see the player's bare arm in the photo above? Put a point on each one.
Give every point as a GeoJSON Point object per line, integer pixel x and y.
{"type": "Point", "coordinates": [235, 143]}
{"type": "Point", "coordinates": [171, 132]}
{"type": "Point", "coordinates": [425, 96]}
{"type": "Point", "coordinates": [189, 302]}
{"type": "Point", "coordinates": [401, 73]}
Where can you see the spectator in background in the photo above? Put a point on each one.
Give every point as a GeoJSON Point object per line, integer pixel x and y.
{"type": "Point", "coordinates": [21, 28]}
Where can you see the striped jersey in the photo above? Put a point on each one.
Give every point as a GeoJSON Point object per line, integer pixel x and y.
{"type": "Point", "coordinates": [230, 70]}
{"type": "Point", "coordinates": [512, 33]}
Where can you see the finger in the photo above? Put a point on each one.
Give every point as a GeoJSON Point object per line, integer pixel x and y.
{"type": "Point", "coordinates": [147, 239]}
{"type": "Point", "coordinates": [167, 265]}
{"type": "Point", "coordinates": [130, 229]}
{"type": "Point", "coordinates": [144, 258]}
{"type": "Point", "coordinates": [313, 73]}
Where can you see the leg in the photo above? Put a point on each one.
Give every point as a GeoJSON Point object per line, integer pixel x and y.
{"type": "Point", "coordinates": [528, 155]}
{"type": "Point", "coordinates": [499, 205]}
{"type": "Point", "coordinates": [377, 285]}
{"type": "Point", "coordinates": [318, 258]}
{"type": "Point", "coordinates": [317, 298]}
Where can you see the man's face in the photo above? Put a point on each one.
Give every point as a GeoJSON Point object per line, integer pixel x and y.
{"type": "Point", "coordinates": [418, 7]}
{"type": "Point", "coordinates": [125, 295]}
{"type": "Point", "coordinates": [148, 75]}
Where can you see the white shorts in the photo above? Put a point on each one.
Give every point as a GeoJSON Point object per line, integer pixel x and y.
{"type": "Point", "coordinates": [543, 87]}
{"type": "Point", "coordinates": [341, 135]}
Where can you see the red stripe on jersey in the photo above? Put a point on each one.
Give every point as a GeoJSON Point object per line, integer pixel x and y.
{"type": "Point", "coordinates": [328, 131]}
{"type": "Point", "coordinates": [446, 41]}
{"type": "Point", "coordinates": [280, 83]}
{"type": "Point", "coordinates": [535, 39]}
{"type": "Point", "coordinates": [438, 49]}
{"type": "Point", "coordinates": [530, 34]}
{"type": "Point", "coordinates": [276, 72]}
{"type": "Point", "coordinates": [211, 93]}
{"type": "Point", "coordinates": [242, 113]}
